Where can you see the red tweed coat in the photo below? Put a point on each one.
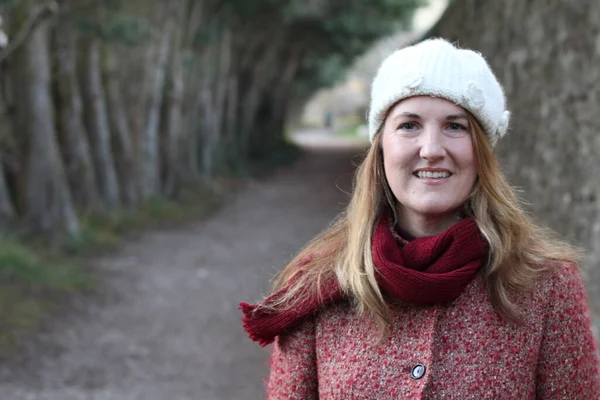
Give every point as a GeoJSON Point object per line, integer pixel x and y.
{"type": "Point", "coordinates": [460, 350]}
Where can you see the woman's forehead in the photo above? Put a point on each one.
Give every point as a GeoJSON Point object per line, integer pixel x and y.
{"type": "Point", "coordinates": [426, 106]}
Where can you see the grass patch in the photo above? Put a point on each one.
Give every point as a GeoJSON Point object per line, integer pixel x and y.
{"type": "Point", "coordinates": [38, 270]}
{"type": "Point", "coordinates": [33, 283]}
{"type": "Point", "coordinates": [350, 130]}
{"type": "Point", "coordinates": [20, 315]}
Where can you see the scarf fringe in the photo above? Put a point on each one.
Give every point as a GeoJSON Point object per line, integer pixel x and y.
{"type": "Point", "coordinates": [250, 326]}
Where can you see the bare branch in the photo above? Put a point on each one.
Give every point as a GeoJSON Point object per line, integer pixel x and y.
{"type": "Point", "coordinates": [39, 15]}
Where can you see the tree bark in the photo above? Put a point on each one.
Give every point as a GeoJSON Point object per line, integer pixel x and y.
{"type": "Point", "coordinates": [47, 202]}
{"type": "Point", "coordinates": [263, 72]}
{"type": "Point", "coordinates": [172, 172]}
{"type": "Point", "coordinates": [7, 210]}
{"type": "Point", "coordinates": [149, 139]}
{"type": "Point", "coordinates": [189, 144]}
{"type": "Point", "coordinates": [282, 94]}
{"type": "Point", "coordinates": [98, 125]}
{"type": "Point", "coordinates": [208, 136]}
{"type": "Point", "coordinates": [193, 119]}
{"type": "Point", "coordinates": [233, 106]}
{"type": "Point", "coordinates": [121, 132]}
{"type": "Point", "coordinates": [215, 97]}
{"type": "Point", "coordinates": [76, 149]}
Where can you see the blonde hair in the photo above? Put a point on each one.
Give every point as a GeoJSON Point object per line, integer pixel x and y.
{"type": "Point", "coordinates": [519, 249]}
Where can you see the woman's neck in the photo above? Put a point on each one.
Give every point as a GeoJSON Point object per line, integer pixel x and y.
{"type": "Point", "coordinates": [419, 225]}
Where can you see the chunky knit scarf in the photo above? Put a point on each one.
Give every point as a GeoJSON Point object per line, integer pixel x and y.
{"type": "Point", "coordinates": [426, 270]}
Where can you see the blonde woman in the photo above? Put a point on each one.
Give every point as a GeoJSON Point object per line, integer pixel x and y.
{"type": "Point", "coordinates": [433, 284]}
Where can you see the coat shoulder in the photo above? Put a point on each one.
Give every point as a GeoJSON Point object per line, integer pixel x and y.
{"type": "Point", "coordinates": [559, 277]}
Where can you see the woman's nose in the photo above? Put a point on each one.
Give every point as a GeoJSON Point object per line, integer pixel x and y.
{"type": "Point", "coordinates": [431, 146]}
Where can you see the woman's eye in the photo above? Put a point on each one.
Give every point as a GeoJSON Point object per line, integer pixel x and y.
{"type": "Point", "coordinates": [408, 126]}
{"type": "Point", "coordinates": [457, 127]}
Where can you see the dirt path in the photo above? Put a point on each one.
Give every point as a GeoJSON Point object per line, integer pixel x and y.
{"type": "Point", "coordinates": [167, 326]}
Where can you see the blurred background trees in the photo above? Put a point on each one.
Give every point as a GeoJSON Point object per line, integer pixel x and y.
{"type": "Point", "coordinates": [107, 104]}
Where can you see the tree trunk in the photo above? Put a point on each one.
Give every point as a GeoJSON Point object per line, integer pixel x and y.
{"type": "Point", "coordinates": [222, 84]}
{"type": "Point", "coordinates": [269, 122]}
{"type": "Point", "coordinates": [208, 134]}
{"type": "Point", "coordinates": [98, 126]}
{"type": "Point", "coordinates": [215, 97]}
{"type": "Point", "coordinates": [233, 106]}
{"type": "Point", "coordinates": [7, 211]}
{"type": "Point", "coordinates": [249, 115]}
{"type": "Point", "coordinates": [188, 165]}
{"type": "Point", "coordinates": [76, 150]}
{"type": "Point", "coordinates": [207, 104]}
{"type": "Point", "coordinates": [281, 96]}
{"type": "Point", "coordinates": [172, 172]}
{"type": "Point", "coordinates": [47, 201]}
{"type": "Point", "coordinates": [193, 118]}
{"type": "Point", "coordinates": [149, 140]}
{"type": "Point", "coordinates": [121, 130]}
{"type": "Point", "coordinates": [263, 70]}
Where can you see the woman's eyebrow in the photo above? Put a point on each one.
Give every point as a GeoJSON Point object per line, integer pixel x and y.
{"type": "Point", "coordinates": [456, 116]}
{"type": "Point", "coordinates": [451, 117]}
{"type": "Point", "coordinates": [407, 115]}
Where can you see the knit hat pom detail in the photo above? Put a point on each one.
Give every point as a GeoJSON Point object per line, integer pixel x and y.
{"type": "Point", "coordinates": [474, 96]}
{"type": "Point", "coordinates": [503, 124]}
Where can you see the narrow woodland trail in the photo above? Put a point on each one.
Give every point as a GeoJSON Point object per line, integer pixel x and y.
{"type": "Point", "coordinates": [166, 326]}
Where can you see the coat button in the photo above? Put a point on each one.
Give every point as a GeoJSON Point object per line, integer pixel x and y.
{"type": "Point", "coordinates": [418, 371]}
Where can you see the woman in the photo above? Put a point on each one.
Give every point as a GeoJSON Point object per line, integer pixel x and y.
{"type": "Point", "coordinates": [434, 284]}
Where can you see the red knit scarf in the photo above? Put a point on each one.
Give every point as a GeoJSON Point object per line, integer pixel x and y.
{"type": "Point", "coordinates": [426, 270]}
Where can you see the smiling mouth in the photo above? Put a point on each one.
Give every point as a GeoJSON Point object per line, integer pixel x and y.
{"type": "Point", "coordinates": [432, 174]}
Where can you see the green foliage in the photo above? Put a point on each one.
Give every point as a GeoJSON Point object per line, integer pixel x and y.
{"type": "Point", "coordinates": [37, 269]}
{"type": "Point", "coordinates": [329, 34]}
{"type": "Point", "coordinates": [9, 3]}
{"type": "Point", "coordinates": [107, 21]}
{"type": "Point", "coordinates": [319, 72]}
{"type": "Point", "coordinates": [33, 280]}
{"type": "Point", "coordinates": [19, 315]}
{"type": "Point", "coordinates": [119, 28]}
{"type": "Point", "coordinates": [128, 30]}
{"type": "Point", "coordinates": [355, 30]}
{"type": "Point", "coordinates": [351, 130]}
{"type": "Point", "coordinates": [210, 34]}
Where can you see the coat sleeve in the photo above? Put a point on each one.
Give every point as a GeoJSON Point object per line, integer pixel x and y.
{"type": "Point", "coordinates": [568, 359]}
{"type": "Point", "coordinates": [293, 373]}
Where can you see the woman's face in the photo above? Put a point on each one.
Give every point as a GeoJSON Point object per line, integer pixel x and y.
{"type": "Point", "coordinates": [428, 157]}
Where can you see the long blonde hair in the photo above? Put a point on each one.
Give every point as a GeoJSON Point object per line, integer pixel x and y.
{"type": "Point", "coordinates": [519, 248]}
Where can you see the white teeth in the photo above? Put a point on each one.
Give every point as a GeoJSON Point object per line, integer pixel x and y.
{"type": "Point", "coordinates": [434, 175]}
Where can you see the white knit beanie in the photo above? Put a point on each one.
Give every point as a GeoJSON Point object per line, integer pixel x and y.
{"type": "Point", "coordinates": [435, 67]}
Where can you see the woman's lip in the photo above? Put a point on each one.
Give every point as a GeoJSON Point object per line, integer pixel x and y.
{"type": "Point", "coordinates": [432, 170]}
{"type": "Point", "coordinates": [416, 174]}
{"type": "Point", "coordinates": [433, 181]}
